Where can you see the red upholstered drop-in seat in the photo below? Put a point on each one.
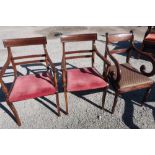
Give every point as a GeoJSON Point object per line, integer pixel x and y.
{"type": "Point", "coordinates": [31, 86]}
{"type": "Point", "coordinates": [150, 37]}
{"type": "Point", "coordinates": [82, 79]}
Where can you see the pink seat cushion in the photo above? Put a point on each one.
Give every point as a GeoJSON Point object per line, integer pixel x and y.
{"type": "Point", "coordinates": [150, 37]}
{"type": "Point", "coordinates": [31, 86]}
{"type": "Point", "coordinates": [84, 79]}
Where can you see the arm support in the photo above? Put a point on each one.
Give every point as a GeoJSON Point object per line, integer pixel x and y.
{"type": "Point", "coordinates": [53, 69]}
{"type": "Point", "coordinates": [116, 76]}
{"type": "Point", "coordinates": [101, 56]}
{"type": "Point", "coordinates": [51, 63]}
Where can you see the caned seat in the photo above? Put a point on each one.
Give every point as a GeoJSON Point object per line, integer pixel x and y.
{"type": "Point", "coordinates": [31, 86]}
{"type": "Point", "coordinates": [131, 77]}
{"type": "Point", "coordinates": [84, 79]}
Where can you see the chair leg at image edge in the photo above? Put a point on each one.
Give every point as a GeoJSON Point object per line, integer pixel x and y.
{"type": "Point", "coordinates": [115, 102]}
{"type": "Point", "coordinates": [12, 107]}
{"type": "Point", "coordinates": [58, 105]}
{"type": "Point", "coordinates": [66, 100]}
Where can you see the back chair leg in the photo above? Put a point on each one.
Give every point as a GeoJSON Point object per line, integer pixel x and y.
{"type": "Point", "coordinates": [146, 95]}
{"type": "Point", "coordinates": [58, 105]}
{"type": "Point", "coordinates": [66, 100]}
{"type": "Point", "coordinates": [12, 107]}
{"type": "Point", "coordinates": [115, 102]}
{"type": "Point", "coordinates": [104, 97]}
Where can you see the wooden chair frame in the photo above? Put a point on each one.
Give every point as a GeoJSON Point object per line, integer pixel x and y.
{"type": "Point", "coordinates": [115, 77]}
{"type": "Point", "coordinates": [9, 43]}
{"type": "Point", "coordinates": [88, 54]}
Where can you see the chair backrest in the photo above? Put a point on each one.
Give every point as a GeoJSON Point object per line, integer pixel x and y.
{"type": "Point", "coordinates": [78, 38]}
{"type": "Point", "coordinates": [9, 43]}
{"type": "Point", "coordinates": [119, 38]}
{"type": "Point", "coordinates": [116, 38]}
{"type": "Point", "coordinates": [24, 41]}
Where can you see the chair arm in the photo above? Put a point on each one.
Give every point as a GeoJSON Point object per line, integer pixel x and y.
{"type": "Point", "coordinates": [4, 68]}
{"type": "Point", "coordinates": [116, 76]}
{"type": "Point", "coordinates": [101, 56]}
{"type": "Point", "coordinates": [150, 58]}
{"type": "Point", "coordinates": [54, 71]}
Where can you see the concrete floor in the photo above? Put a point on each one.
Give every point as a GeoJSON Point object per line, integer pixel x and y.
{"type": "Point", "coordinates": [84, 111]}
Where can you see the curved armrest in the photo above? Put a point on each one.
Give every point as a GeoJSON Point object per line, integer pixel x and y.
{"type": "Point", "coordinates": [54, 71]}
{"type": "Point", "coordinates": [101, 56]}
{"type": "Point", "coordinates": [116, 76]}
{"type": "Point", "coordinates": [51, 63]}
{"type": "Point", "coordinates": [150, 58]}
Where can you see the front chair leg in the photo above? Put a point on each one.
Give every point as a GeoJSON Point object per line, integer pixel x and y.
{"type": "Point", "coordinates": [115, 102]}
{"type": "Point", "coordinates": [58, 105]}
{"type": "Point", "coordinates": [104, 97]}
{"type": "Point", "coordinates": [146, 95]}
{"type": "Point", "coordinates": [12, 107]}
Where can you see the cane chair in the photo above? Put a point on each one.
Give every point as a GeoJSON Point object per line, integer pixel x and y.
{"type": "Point", "coordinates": [33, 85]}
{"type": "Point", "coordinates": [82, 79]}
{"type": "Point", "coordinates": [149, 40]}
{"type": "Point", "coordinates": [124, 77]}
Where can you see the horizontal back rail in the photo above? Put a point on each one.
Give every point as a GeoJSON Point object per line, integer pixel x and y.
{"type": "Point", "coordinates": [28, 62]}
{"type": "Point", "coordinates": [24, 41]}
{"type": "Point", "coordinates": [81, 56]}
{"type": "Point", "coordinates": [80, 51]}
{"type": "Point", "coordinates": [28, 56]}
{"type": "Point", "coordinates": [79, 37]}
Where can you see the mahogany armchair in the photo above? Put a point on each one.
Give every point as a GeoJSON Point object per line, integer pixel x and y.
{"type": "Point", "coordinates": [124, 77]}
{"type": "Point", "coordinates": [33, 85]}
{"type": "Point", "coordinates": [82, 79]}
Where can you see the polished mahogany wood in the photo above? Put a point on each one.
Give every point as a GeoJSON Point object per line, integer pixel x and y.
{"type": "Point", "coordinates": [24, 41]}
{"type": "Point", "coordinates": [114, 38]}
{"type": "Point", "coordinates": [78, 37]}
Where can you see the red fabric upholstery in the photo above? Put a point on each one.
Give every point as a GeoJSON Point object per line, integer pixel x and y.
{"type": "Point", "coordinates": [84, 79]}
{"type": "Point", "coordinates": [150, 37]}
{"type": "Point", "coordinates": [31, 86]}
